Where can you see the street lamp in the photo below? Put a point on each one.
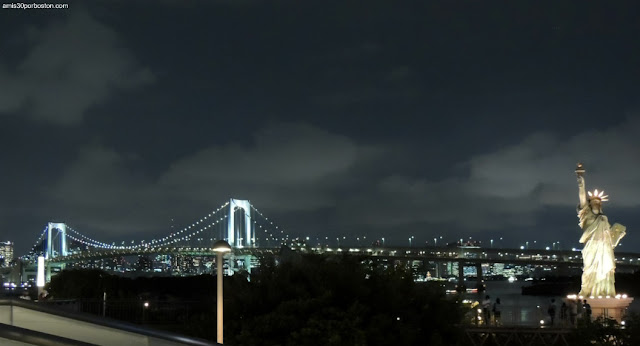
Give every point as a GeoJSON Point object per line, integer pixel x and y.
{"type": "Point", "coordinates": [220, 248]}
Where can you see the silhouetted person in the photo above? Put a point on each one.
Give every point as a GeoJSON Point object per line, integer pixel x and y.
{"type": "Point", "coordinates": [563, 313]}
{"type": "Point", "coordinates": [486, 305]}
{"type": "Point", "coordinates": [552, 311]}
{"type": "Point", "coordinates": [580, 309]}
{"type": "Point", "coordinates": [587, 310]}
{"type": "Point", "coordinates": [573, 311]}
{"type": "Point", "coordinates": [497, 311]}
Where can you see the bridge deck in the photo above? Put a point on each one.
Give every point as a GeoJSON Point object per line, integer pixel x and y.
{"type": "Point", "coordinates": [433, 254]}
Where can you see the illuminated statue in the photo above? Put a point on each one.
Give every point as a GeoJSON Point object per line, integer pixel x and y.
{"type": "Point", "coordinates": [599, 239]}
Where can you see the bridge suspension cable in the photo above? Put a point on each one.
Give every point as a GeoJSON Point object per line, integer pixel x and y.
{"type": "Point", "coordinates": [172, 238]}
{"type": "Point", "coordinates": [270, 230]}
{"type": "Point", "coordinates": [39, 241]}
{"type": "Point", "coordinates": [92, 242]}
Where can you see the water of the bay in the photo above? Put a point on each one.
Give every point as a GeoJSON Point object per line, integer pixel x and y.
{"type": "Point", "coordinates": [517, 309]}
{"type": "Point", "coordinates": [524, 310]}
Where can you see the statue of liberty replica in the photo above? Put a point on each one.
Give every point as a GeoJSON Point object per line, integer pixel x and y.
{"type": "Point", "coordinates": [599, 239]}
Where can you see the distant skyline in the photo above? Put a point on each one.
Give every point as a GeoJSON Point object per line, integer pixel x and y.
{"type": "Point", "coordinates": [334, 118]}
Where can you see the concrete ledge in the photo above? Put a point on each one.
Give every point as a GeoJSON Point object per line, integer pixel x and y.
{"type": "Point", "coordinates": [36, 338]}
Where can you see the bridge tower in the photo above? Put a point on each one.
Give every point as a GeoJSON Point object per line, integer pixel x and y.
{"type": "Point", "coordinates": [238, 238]}
{"type": "Point", "coordinates": [56, 245]}
{"type": "Point", "coordinates": [55, 230]}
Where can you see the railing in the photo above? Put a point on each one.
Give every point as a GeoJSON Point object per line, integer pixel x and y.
{"type": "Point", "coordinates": [515, 316]}
{"type": "Point", "coordinates": [506, 336]}
{"type": "Point", "coordinates": [147, 312]}
{"type": "Point", "coordinates": [86, 311]}
{"type": "Point", "coordinates": [517, 326]}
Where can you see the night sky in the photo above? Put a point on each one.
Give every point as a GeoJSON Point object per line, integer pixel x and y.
{"type": "Point", "coordinates": [335, 118]}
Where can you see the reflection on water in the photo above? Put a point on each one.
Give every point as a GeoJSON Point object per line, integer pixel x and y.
{"type": "Point", "coordinates": [517, 309]}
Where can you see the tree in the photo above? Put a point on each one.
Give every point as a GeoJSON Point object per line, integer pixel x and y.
{"type": "Point", "coordinates": [337, 300]}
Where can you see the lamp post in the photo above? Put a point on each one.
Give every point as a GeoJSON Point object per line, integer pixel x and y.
{"type": "Point", "coordinates": [220, 248]}
{"type": "Point", "coordinates": [40, 278]}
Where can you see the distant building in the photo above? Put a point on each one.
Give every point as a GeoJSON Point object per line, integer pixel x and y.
{"type": "Point", "coordinates": [182, 264]}
{"type": "Point", "coordinates": [162, 263]}
{"type": "Point", "coordinates": [144, 264]}
{"type": "Point", "coordinates": [498, 269]}
{"type": "Point", "coordinates": [6, 253]}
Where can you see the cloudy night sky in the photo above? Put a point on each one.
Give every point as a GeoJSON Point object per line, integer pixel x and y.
{"type": "Point", "coordinates": [335, 118]}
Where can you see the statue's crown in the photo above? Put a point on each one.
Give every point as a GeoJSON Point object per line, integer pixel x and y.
{"type": "Point", "coordinates": [598, 195]}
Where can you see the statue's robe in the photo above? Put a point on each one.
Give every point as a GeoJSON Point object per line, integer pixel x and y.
{"type": "Point", "coordinates": [599, 239]}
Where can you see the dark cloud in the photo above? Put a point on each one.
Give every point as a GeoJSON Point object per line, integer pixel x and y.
{"type": "Point", "coordinates": [99, 194]}
{"type": "Point", "coordinates": [297, 167]}
{"type": "Point", "coordinates": [334, 119]}
{"type": "Point", "coordinates": [538, 168]}
{"type": "Point", "coordinates": [288, 167]}
{"type": "Point", "coordinates": [293, 169]}
{"type": "Point", "coordinates": [71, 65]}
{"type": "Point", "coordinates": [509, 188]}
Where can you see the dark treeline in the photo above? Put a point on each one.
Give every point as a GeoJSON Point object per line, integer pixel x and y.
{"type": "Point", "coordinates": [317, 300]}
{"type": "Point", "coordinates": [305, 300]}
{"type": "Point", "coordinates": [91, 283]}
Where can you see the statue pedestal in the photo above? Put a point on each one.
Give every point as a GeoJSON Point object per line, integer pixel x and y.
{"type": "Point", "coordinates": [615, 308]}
{"type": "Point", "coordinates": [609, 307]}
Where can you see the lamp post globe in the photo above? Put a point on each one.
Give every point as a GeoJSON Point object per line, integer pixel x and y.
{"type": "Point", "coordinates": [220, 247]}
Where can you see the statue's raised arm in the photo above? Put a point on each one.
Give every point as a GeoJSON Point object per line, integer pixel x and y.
{"type": "Point", "coordinates": [582, 192]}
